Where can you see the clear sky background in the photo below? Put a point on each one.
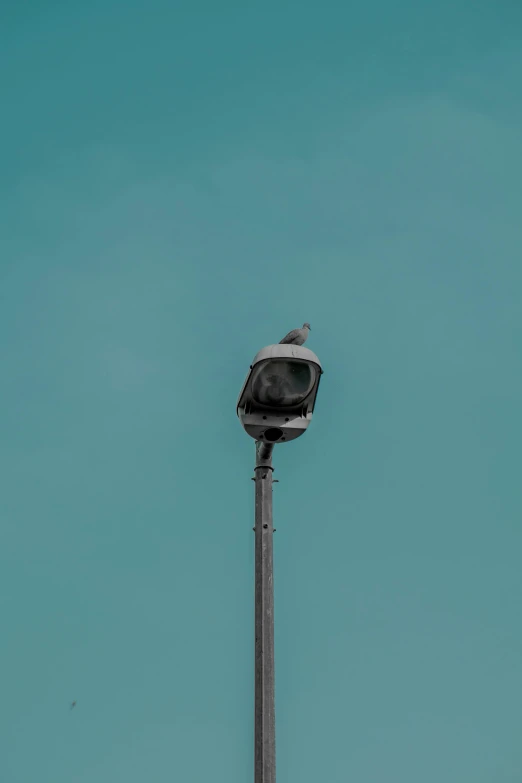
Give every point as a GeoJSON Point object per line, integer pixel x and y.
{"type": "Point", "coordinates": [181, 184]}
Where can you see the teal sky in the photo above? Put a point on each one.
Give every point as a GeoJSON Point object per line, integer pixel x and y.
{"type": "Point", "coordinates": [181, 184]}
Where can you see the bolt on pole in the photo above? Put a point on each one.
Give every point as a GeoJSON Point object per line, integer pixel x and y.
{"type": "Point", "coordinates": [264, 719]}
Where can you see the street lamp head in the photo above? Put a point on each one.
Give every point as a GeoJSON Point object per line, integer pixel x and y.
{"type": "Point", "coordinates": [277, 399]}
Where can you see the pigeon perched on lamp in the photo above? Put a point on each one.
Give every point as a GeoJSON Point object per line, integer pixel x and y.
{"type": "Point", "coordinates": [296, 336]}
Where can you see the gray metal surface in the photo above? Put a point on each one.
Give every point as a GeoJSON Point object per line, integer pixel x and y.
{"type": "Point", "coordinates": [264, 718]}
{"type": "Point", "coordinates": [280, 351]}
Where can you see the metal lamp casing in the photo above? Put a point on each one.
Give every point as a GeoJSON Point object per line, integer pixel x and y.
{"type": "Point", "coordinates": [278, 396]}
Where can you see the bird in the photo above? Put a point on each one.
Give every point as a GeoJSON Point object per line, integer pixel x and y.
{"type": "Point", "coordinates": [296, 336]}
{"type": "Point", "coordinates": [73, 705]}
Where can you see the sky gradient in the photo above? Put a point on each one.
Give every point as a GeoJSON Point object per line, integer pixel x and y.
{"type": "Point", "coordinates": [181, 184]}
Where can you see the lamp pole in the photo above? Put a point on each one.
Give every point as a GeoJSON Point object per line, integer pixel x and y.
{"type": "Point", "coordinates": [275, 405]}
{"type": "Point", "coordinates": [264, 719]}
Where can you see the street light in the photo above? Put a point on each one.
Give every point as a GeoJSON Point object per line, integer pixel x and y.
{"type": "Point", "coordinates": [277, 399]}
{"type": "Point", "coordinates": [275, 405]}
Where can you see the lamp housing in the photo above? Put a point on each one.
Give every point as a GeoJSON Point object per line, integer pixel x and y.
{"type": "Point", "coordinates": [277, 400]}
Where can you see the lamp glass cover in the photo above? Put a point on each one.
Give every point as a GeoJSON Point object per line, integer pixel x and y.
{"type": "Point", "coordinates": [283, 382]}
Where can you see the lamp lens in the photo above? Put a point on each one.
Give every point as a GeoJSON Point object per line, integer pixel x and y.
{"type": "Point", "coordinates": [282, 383]}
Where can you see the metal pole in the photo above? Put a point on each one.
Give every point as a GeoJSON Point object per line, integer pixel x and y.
{"type": "Point", "coordinates": [264, 721]}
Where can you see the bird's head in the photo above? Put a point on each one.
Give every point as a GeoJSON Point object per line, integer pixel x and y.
{"type": "Point", "coordinates": [307, 326]}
